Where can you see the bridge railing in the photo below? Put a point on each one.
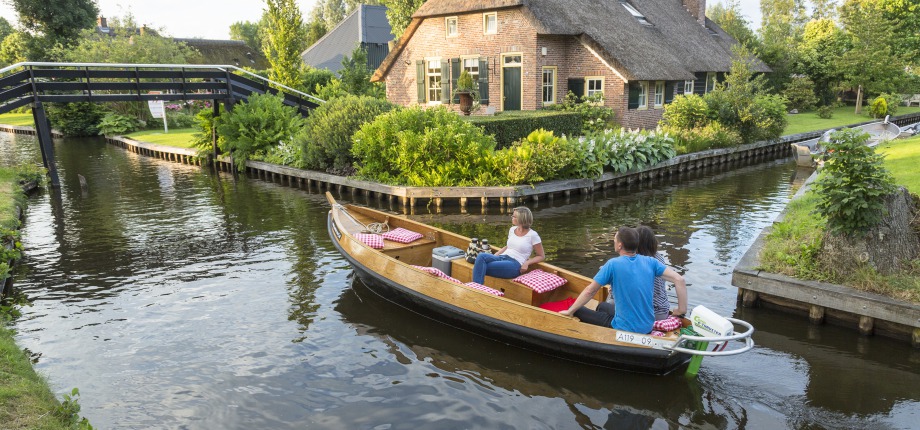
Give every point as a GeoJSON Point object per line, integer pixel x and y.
{"type": "Point", "coordinates": [23, 83]}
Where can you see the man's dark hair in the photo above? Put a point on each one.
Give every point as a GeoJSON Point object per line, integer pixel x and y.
{"type": "Point", "coordinates": [629, 238]}
{"type": "Point", "coordinates": [648, 244]}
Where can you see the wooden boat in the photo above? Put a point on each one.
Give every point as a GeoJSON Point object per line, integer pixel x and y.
{"type": "Point", "coordinates": [514, 318]}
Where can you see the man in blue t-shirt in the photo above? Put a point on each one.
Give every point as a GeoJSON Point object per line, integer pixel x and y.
{"type": "Point", "coordinates": [631, 278]}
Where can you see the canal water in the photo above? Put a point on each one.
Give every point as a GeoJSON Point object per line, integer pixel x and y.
{"type": "Point", "coordinates": [176, 298]}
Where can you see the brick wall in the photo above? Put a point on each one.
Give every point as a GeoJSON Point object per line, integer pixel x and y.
{"type": "Point", "coordinates": [697, 8]}
{"type": "Point", "coordinates": [515, 34]}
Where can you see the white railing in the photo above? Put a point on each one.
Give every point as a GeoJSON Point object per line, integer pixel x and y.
{"type": "Point", "coordinates": [746, 336]}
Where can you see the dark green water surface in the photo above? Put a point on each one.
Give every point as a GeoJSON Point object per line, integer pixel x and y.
{"type": "Point", "coordinates": [176, 298]}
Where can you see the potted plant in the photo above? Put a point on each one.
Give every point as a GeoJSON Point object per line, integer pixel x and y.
{"type": "Point", "coordinates": [465, 91]}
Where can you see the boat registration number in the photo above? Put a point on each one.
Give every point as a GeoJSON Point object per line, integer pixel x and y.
{"type": "Point", "coordinates": [639, 339]}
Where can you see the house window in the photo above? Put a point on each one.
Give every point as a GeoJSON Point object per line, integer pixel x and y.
{"type": "Point", "coordinates": [710, 81]}
{"type": "Point", "coordinates": [471, 65]}
{"type": "Point", "coordinates": [659, 94]}
{"type": "Point", "coordinates": [549, 85]}
{"type": "Point", "coordinates": [643, 93]}
{"type": "Point", "coordinates": [594, 85]}
{"type": "Point", "coordinates": [688, 87]}
{"type": "Point", "coordinates": [490, 23]}
{"type": "Point", "coordinates": [453, 28]}
{"type": "Point", "coordinates": [433, 79]}
{"type": "Point", "coordinates": [635, 13]}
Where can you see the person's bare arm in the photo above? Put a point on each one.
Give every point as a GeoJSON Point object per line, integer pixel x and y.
{"type": "Point", "coordinates": [583, 298]}
{"type": "Point", "coordinates": [680, 287]}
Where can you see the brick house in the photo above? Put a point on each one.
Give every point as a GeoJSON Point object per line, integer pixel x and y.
{"type": "Point", "coordinates": [526, 54]}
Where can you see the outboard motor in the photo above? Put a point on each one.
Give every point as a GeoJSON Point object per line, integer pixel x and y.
{"type": "Point", "coordinates": [886, 119]}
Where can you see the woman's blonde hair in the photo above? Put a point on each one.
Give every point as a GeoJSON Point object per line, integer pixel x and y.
{"type": "Point", "coordinates": [524, 216]}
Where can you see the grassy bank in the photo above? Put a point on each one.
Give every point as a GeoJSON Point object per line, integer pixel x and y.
{"type": "Point", "coordinates": [26, 399]}
{"type": "Point", "coordinates": [791, 248]}
{"type": "Point", "coordinates": [809, 121]}
{"type": "Point", "coordinates": [24, 119]}
{"type": "Point", "coordinates": [180, 138]}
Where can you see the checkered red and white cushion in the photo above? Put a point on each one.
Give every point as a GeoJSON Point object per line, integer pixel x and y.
{"type": "Point", "coordinates": [437, 272]}
{"type": "Point", "coordinates": [667, 324]}
{"type": "Point", "coordinates": [541, 281]}
{"type": "Point", "coordinates": [402, 235]}
{"type": "Point", "coordinates": [657, 333]}
{"type": "Point", "coordinates": [485, 289]}
{"type": "Point", "coordinates": [371, 240]}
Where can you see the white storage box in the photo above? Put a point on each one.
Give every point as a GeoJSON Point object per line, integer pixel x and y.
{"type": "Point", "coordinates": [443, 255]}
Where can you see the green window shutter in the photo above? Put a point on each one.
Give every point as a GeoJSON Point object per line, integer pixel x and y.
{"type": "Point", "coordinates": [484, 81]}
{"type": "Point", "coordinates": [634, 90]}
{"type": "Point", "coordinates": [420, 77]}
{"type": "Point", "coordinates": [669, 91]}
{"type": "Point", "coordinates": [454, 75]}
{"type": "Point", "coordinates": [699, 85]}
{"type": "Point", "coordinates": [445, 81]}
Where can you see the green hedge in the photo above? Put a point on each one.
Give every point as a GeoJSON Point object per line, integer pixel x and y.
{"type": "Point", "coordinates": [512, 127]}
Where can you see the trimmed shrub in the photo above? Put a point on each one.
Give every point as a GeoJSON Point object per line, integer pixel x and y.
{"type": "Point", "coordinates": [76, 119]}
{"type": "Point", "coordinates": [800, 93]}
{"type": "Point", "coordinates": [686, 112]}
{"type": "Point", "coordinates": [892, 101]}
{"type": "Point", "coordinates": [326, 141]}
{"type": "Point", "coordinates": [710, 136]}
{"type": "Point", "coordinates": [508, 128]}
{"type": "Point", "coordinates": [853, 184]}
{"type": "Point", "coordinates": [256, 125]}
{"type": "Point", "coordinates": [180, 120]}
{"type": "Point", "coordinates": [825, 112]}
{"type": "Point", "coordinates": [203, 139]}
{"type": "Point", "coordinates": [424, 147]}
{"type": "Point", "coordinates": [879, 107]}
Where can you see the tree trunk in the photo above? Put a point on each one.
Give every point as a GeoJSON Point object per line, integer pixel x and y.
{"type": "Point", "coordinates": [887, 247]}
{"type": "Point", "coordinates": [859, 100]}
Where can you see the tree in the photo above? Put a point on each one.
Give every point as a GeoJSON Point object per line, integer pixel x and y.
{"type": "Point", "coordinates": [872, 60]}
{"type": "Point", "coordinates": [333, 12]}
{"type": "Point", "coordinates": [249, 32]}
{"type": "Point", "coordinates": [126, 47]}
{"type": "Point", "coordinates": [730, 19]}
{"type": "Point", "coordinates": [6, 28]}
{"type": "Point", "coordinates": [399, 12]}
{"type": "Point", "coordinates": [59, 21]}
{"type": "Point", "coordinates": [316, 27]}
{"type": "Point", "coordinates": [904, 16]}
{"type": "Point", "coordinates": [783, 21]}
{"type": "Point", "coordinates": [284, 41]}
{"type": "Point", "coordinates": [14, 48]}
{"type": "Point", "coordinates": [823, 42]}
{"type": "Point", "coordinates": [356, 76]}
{"type": "Point", "coordinates": [823, 9]}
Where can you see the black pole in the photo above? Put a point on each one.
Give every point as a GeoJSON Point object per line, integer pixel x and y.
{"type": "Point", "coordinates": [45, 142]}
{"type": "Point", "coordinates": [214, 134]}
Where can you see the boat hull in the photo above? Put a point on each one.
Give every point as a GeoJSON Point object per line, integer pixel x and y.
{"type": "Point", "coordinates": [645, 360]}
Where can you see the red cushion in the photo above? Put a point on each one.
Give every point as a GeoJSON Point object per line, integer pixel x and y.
{"type": "Point", "coordinates": [667, 324]}
{"type": "Point", "coordinates": [437, 272]}
{"type": "Point", "coordinates": [657, 333]}
{"type": "Point", "coordinates": [484, 288]}
{"type": "Point", "coordinates": [558, 306]}
{"type": "Point", "coordinates": [541, 281]}
{"type": "Point", "coordinates": [402, 235]}
{"type": "Point", "coordinates": [371, 240]}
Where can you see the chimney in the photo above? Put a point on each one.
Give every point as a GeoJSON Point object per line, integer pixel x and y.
{"type": "Point", "coordinates": [697, 9]}
{"type": "Point", "coordinates": [101, 22]}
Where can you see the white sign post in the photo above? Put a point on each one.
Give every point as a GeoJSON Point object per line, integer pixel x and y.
{"type": "Point", "coordinates": [158, 111]}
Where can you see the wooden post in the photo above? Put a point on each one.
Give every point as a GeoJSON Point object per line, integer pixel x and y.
{"type": "Point", "coordinates": [214, 134]}
{"type": "Point", "coordinates": [749, 299]}
{"type": "Point", "coordinates": [859, 100]}
{"type": "Point", "coordinates": [45, 142]}
{"type": "Point", "coordinates": [463, 204]}
{"type": "Point", "coordinates": [915, 338]}
{"type": "Point", "coordinates": [816, 314]}
{"type": "Point", "coordinates": [866, 325]}
{"type": "Point", "coordinates": [484, 201]}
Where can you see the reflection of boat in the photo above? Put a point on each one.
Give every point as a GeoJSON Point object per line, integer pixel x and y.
{"type": "Point", "coordinates": [514, 318]}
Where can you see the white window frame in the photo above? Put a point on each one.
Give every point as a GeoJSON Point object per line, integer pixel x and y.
{"type": "Point", "coordinates": [485, 23]}
{"type": "Point", "coordinates": [588, 91]}
{"type": "Point", "coordinates": [433, 81]}
{"type": "Point", "coordinates": [635, 13]}
{"type": "Point", "coordinates": [469, 69]}
{"type": "Point", "coordinates": [710, 77]}
{"type": "Point", "coordinates": [659, 94]}
{"type": "Point", "coordinates": [688, 87]}
{"type": "Point", "coordinates": [447, 22]}
{"type": "Point", "coordinates": [643, 95]}
{"type": "Point", "coordinates": [551, 86]}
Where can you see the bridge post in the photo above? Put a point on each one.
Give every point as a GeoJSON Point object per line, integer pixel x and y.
{"type": "Point", "coordinates": [214, 134]}
{"type": "Point", "coordinates": [45, 142]}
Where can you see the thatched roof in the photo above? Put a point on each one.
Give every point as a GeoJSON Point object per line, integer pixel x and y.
{"type": "Point", "coordinates": [229, 52]}
{"type": "Point", "coordinates": [673, 47]}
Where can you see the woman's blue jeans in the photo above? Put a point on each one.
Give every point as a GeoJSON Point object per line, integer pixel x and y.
{"type": "Point", "coordinates": [499, 266]}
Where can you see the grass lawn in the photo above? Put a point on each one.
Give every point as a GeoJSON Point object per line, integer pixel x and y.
{"type": "Point", "coordinates": [809, 121]}
{"type": "Point", "coordinates": [180, 138]}
{"type": "Point", "coordinates": [17, 119]}
{"type": "Point", "coordinates": [901, 158]}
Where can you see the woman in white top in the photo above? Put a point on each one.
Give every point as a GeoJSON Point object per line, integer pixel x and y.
{"type": "Point", "coordinates": [514, 258]}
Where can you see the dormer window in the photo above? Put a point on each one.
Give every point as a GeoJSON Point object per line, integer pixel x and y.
{"type": "Point", "coordinates": [635, 13]}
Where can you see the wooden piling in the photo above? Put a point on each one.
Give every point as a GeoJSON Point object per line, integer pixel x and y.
{"type": "Point", "coordinates": [866, 325]}
{"type": "Point", "coordinates": [816, 314]}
